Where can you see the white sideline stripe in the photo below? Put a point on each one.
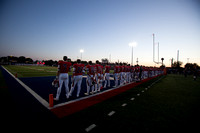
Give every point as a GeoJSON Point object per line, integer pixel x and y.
{"type": "Point", "coordinates": [123, 105]}
{"type": "Point", "coordinates": [111, 113]}
{"type": "Point", "coordinates": [40, 99]}
{"type": "Point", "coordinates": [90, 127]}
{"type": "Point", "coordinates": [132, 98]}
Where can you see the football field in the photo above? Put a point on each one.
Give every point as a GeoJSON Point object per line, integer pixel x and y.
{"type": "Point", "coordinates": [31, 71]}
{"type": "Point", "coordinates": [163, 104]}
{"type": "Point", "coordinates": [170, 105]}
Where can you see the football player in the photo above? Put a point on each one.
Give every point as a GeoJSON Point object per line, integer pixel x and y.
{"type": "Point", "coordinates": [90, 77]}
{"type": "Point", "coordinates": [121, 74]}
{"type": "Point", "coordinates": [62, 76]}
{"type": "Point", "coordinates": [116, 74]}
{"type": "Point", "coordinates": [98, 76]}
{"type": "Point", "coordinates": [77, 77]}
{"type": "Point", "coordinates": [107, 75]}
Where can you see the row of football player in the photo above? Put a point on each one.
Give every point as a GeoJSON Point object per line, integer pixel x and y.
{"type": "Point", "coordinates": [96, 76]}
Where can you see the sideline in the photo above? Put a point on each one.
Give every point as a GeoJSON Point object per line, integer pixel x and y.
{"type": "Point", "coordinates": [68, 108]}
{"type": "Point", "coordinates": [72, 106]}
{"type": "Point", "coordinates": [39, 98]}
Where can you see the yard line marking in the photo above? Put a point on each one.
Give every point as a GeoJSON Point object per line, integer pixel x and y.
{"type": "Point", "coordinates": [143, 91]}
{"type": "Point", "coordinates": [138, 94]}
{"type": "Point", "coordinates": [90, 127]}
{"type": "Point", "coordinates": [111, 113]}
{"type": "Point", "coordinates": [146, 89]}
{"type": "Point", "coordinates": [40, 99]}
{"type": "Point", "coordinates": [132, 98]}
{"type": "Point", "coordinates": [123, 105]}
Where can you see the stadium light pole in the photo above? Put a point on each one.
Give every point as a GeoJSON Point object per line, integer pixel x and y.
{"type": "Point", "coordinates": [81, 51]}
{"type": "Point", "coordinates": [132, 44]}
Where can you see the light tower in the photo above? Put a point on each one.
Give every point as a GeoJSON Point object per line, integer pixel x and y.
{"type": "Point", "coordinates": [132, 44]}
{"type": "Point", "coordinates": [81, 51]}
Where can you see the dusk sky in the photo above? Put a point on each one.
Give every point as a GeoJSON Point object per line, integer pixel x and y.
{"type": "Point", "coordinates": [50, 29]}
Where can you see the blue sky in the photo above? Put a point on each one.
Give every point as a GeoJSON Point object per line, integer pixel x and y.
{"type": "Point", "coordinates": [49, 29]}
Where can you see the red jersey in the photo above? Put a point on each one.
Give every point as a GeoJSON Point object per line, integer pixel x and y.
{"type": "Point", "coordinates": [124, 68]}
{"type": "Point", "coordinates": [137, 69]}
{"type": "Point", "coordinates": [128, 68]}
{"type": "Point", "coordinates": [107, 69]}
{"type": "Point", "coordinates": [99, 68]}
{"type": "Point", "coordinates": [121, 69]}
{"type": "Point", "coordinates": [64, 66]}
{"type": "Point", "coordinates": [116, 69]}
{"type": "Point", "coordinates": [90, 69]}
{"type": "Point", "coordinates": [78, 69]}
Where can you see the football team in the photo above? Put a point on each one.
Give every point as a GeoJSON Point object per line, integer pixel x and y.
{"type": "Point", "coordinates": [98, 76]}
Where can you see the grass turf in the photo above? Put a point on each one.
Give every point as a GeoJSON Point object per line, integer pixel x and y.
{"type": "Point", "coordinates": [170, 105]}
{"type": "Point", "coordinates": [31, 71]}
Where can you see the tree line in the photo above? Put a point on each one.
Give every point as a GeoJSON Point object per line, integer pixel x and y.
{"type": "Point", "coordinates": [12, 60]}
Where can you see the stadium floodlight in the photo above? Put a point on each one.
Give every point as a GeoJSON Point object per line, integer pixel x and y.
{"type": "Point", "coordinates": [81, 51]}
{"type": "Point", "coordinates": [132, 44]}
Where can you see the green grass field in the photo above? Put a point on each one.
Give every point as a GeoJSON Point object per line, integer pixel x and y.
{"type": "Point", "coordinates": [31, 71]}
{"type": "Point", "coordinates": [171, 105]}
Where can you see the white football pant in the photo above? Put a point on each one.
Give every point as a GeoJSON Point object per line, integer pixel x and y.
{"type": "Point", "coordinates": [63, 77]}
{"type": "Point", "coordinates": [77, 80]}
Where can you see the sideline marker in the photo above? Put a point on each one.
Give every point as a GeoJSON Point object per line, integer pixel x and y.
{"type": "Point", "coordinates": [90, 127]}
{"type": "Point", "coordinates": [50, 100]}
{"type": "Point", "coordinates": [111, 113]}
{"type": "Point", "coordinates": [15, 75]}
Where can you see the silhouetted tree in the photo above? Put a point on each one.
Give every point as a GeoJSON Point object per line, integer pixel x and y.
{"type": "Point", "coordinates": [177, 64]}
{"type": "Point", "coordinates": [21, 59]}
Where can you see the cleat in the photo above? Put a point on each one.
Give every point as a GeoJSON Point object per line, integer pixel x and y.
{"type": "Point", "coordinates": [55, 99]}
{"type": "Point", "coordinates": [86, 94]}
{"type": "Point", "coordinates": [67, 96]}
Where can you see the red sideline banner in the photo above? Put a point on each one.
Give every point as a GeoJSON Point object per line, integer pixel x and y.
{"type": "Point", "coordinates": [73, 107]}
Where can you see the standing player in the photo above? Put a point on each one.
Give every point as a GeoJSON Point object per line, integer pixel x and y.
{"type": "Point", "coordinates": [62, 75]}
{"type": "Point", "coordinates": [77, 77]}
{"type": "Point", "coordinates": [107, 75]}
{"type": "Point", "coordinates": [116, 74]}
{"type": "Point", "coordinates": [98, 76]}
{"type": "Point", "coordinates": [121, 74]}
{"type": "Point", "coordinates": [128, 75]}
{"type": "Point", "coordinates": [90, 77]}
